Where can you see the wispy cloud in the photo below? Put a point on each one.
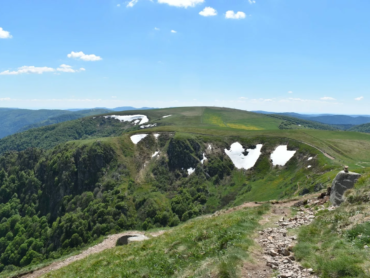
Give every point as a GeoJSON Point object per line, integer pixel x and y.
{"type": "Point", "coordinates": [233, 15]}
{"type": "Point", "coordinates": [157, 29]}
{"type": "Point", "coordinates": [359, 98]}
{"type": "Point", "coordinates": [208, 11]}
{"type": "Point", "coordinates": [251, 1]}
{"type": "Point", "coordinates": [181, 3]}
{"type": "Point", "coordinates": [290, 92]}
{"type": "Point", "coordinates": [173, 31]}
{"type": "Point", "coordinates": [85, 57]}
{"type": "Point", "coordinates": [327, 98]}
{"type": "Point", "coordinates": [41, 70]}
{"type": "Point", "coordinates": [132, 3]}
{"type": "Point", "coordinates": [4, 34]}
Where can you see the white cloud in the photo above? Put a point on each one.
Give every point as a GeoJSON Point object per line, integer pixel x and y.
{"type": "Point", "coordinates": [181, 3]}
{"type": "Point", "coordinates": [5, 99]}
{"type": "Point", "coordinates": [173, 31]}
{"type": "Point", "coordinates": [82, 56]}
{"type": "Point", "coordinates": [66, 68]}
{"type": "Point", "coordinates": [290, 92]}
{"type": "Point", "coordinates": [359, 98]}
{"type": "Point", "coordinates": [327, 98]}
{"type": "Point", "coordinates": [157, 29]}
{"type": "Point", "coordinates": [233, 15]}
{"type": "Point", "coordinates": [4, 34]}
{"type": "Point", "coordinates": [208, 11]}
{"type": "Point", "coordinates": [118, 5]}
{"type": "Point", "coordinates": [132, 3]}
{"type": "Point", "coordinates": [40, 70]}
{"type": "Point", "coordinates": [252, 1]}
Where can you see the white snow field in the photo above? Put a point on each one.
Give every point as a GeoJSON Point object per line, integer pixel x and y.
{"type": "Point", "coordinates": [281, 155]}
{"type": "Point", "coordinates": [138, 119]}
{"type": "Point", "coordinates": [204, 158]}
{"type": "Point", "coordinates": [147, 126]}
{"type": "Point", "coordinates": [310, 158]}
{"type": "Point", "coordinates": [240, 160]}
{"type": "Point", "coordinates": [137, 138]}
{"type": "Point", "coordinates": [166, 116]}
{"type": "Point", "coordinates": [191, 171]}
{"type": "Point", "coordinates": [155, 154]}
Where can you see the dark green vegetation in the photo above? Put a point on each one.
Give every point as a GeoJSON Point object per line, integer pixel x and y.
{"type": "Point", "coordinates": [361, 128]}
{"type": "Point", "coordinates": [205, 247]}
{"type": "Point", "coordinates": [334, 244]}
{"type": "Point", "coordinates": [295, 123]}
{"type": "Point", "coordinates": [62, 195]}
{"type": "Point", "coordinates": [17, 120]}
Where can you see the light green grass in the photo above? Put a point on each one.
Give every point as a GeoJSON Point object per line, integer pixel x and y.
{"type": "Point", "coordinates": [203, 247]}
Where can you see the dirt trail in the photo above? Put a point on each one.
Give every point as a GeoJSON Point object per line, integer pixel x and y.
{"type": "Point", "coordinates": [108, 243]}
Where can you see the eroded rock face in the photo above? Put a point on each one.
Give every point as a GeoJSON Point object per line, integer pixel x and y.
{"type": "Point", "coordinates": [342, 182]}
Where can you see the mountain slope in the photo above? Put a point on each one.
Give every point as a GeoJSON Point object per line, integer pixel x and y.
{"type": "Point", "coordinates": [54, 202]}
{"type": "Point", "coordinates": [16, 120]}
{"type": "Point", "coordinates": [361, 128]}
{"type": "Point", "coordinates": [191, 118]}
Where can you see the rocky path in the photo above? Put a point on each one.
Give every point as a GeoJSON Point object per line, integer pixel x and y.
{"type": "Point", "coordinates": [275, 257]}
{"type": "Point", "coordinates": [109, 242]}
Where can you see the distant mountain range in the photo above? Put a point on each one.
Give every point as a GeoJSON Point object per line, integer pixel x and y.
{"type": "Point", "coordinates": [342, 121]}
{"type": "Point", "coordinates": [15, 120]}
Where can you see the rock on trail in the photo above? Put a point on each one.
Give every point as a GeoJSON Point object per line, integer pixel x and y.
{"type": "Point", "coordinates": [342, 182]}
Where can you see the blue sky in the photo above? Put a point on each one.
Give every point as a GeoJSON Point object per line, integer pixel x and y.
{"type": "Point", "coordinates": [276, 55]}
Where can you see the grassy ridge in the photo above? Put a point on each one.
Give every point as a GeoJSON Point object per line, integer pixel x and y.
{"type": "Point", "coordinates": [334, 243]}
{"type": "Point", "coordinates": [202, 247]}
{"type": "Point", "coordinates": [204, 119]}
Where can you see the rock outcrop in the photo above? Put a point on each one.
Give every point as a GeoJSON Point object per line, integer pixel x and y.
{"type": "Point", "coordinates": [342, 182]}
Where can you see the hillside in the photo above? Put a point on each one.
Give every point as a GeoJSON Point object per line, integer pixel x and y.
{"type": "Point", "coordinates": [17, 120]}
{"type": "Point", "coordinates": [186, 162]}
{"type": "Point", "coordinates": [192, 118]}
{"type": "Point", "coordinates": [361, 128]}
{"type": "Point", "coordinates": [344, 122]}
{"type": "Point", "coordinates": [54, 202]}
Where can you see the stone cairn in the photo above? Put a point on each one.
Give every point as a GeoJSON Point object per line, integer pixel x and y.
{"type": "Point", "coordinates": [278, 246]}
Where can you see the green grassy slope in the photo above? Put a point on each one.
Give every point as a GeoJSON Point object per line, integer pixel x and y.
{"type": "Point", "coordinates": [205, 247]}
{"type": "Point", "coordinates": [334, 245]}
{"type": "Point", "coordinates": [203, 120]}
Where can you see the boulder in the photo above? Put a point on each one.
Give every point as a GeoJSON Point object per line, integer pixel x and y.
{"type": "Point", "coordinates": [342, 182]}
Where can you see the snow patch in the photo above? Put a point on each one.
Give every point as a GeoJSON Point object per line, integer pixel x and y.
{"type": "Point", "coordinates": [156, 135]}
{"type": "Point", "coordinates": [310, 158]}
{"type": "Point", "coordinates": [155, 154]}
{"type": "Point", "coordinates": [240, 160]}
{"type": "Point", "coordinates": [147, 126]}
{"type": "Point", "coordinates": [281, 155]}
{"type": "Point", "coordinates": [191, 171]}
{"type": "Point", "coordinates": [137, 138]}
{"type": "Point", "coordinates": [209, 146]}
{"type": "Point", "coordinates": [309, 166]}
{"type": "Point", "coordinates": [166, 116]}
{"type": "Point", "coordinates": [137, 238]}
{"type": "Point", "coordinates": [138, 119]}
{"type": "Point", "coordinates": [204, 158]}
